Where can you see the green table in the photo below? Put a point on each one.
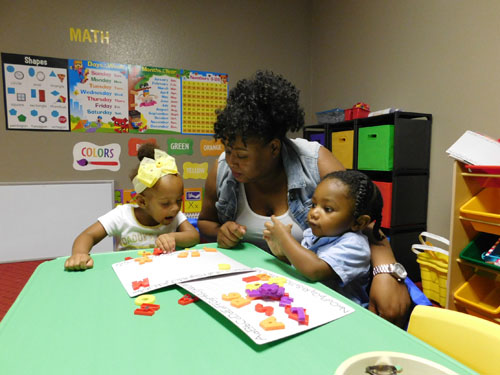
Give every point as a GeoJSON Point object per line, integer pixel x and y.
{"type": "Point", "coordinates": [84, 323]}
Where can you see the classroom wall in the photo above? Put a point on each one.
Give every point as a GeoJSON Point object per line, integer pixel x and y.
{"type": "Point", "coordinates": [225, 36]}
{"type": "Point", "coordinates": [434, 56]}
{"type": "Point", "coordinates": [431, 56]}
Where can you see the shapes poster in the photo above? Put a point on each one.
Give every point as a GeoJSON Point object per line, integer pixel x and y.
{"type": "Point", "coordinates": [36, 92]}
{"type": "Point", "coordinates": [202, 94]}
{"type": "Point", "coordinates": [98, 96]}
{"type": "Point", "coordinates": [154, 99]}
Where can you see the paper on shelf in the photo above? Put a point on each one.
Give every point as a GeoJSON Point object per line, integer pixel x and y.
{"type": "Point", "coordinates": [474, 148]}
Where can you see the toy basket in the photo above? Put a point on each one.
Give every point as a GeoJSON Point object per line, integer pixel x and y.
{"type": "Point", "coordinates": [433, 263]}
{"type": "Point", "coordinates": [331, 116]}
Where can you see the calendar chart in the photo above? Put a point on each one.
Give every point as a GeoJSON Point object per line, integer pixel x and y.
{"type": "Point", "coordinates": [98, 96]}
{"type": "Point", "coordinates": [154, 100]}
{"type": "Point", "coordinates": [202, 94]}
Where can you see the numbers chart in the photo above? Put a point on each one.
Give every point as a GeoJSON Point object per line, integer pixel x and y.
{"type": "Point", "coordinates": [202, 94]}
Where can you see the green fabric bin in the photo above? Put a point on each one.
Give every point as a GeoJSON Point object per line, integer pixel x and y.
{"type": "Point", "coordinates": [376, 148]}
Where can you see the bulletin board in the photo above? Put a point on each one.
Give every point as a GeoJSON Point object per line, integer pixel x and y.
{"type": "Point", "coordinates": [95, 100]}
{"type": "Point", "coordinates": [86, 96]}
{"type": "Point", "coordinates": [41, 220]}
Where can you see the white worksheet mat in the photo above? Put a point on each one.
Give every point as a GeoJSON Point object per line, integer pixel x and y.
{"type": "Point", "coordinates": [320, 307]}
{"type": "Point", "coordinates": [169, 269]}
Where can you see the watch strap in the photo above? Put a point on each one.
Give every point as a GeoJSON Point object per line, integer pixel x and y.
{"type": "Point", "coordinates": [382, 268]}
{"type": "Point", "coordinates": [387, 268]}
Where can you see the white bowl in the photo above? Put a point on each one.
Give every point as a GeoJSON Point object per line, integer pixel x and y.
{"type": "Point", "coordinates": [407, 364]}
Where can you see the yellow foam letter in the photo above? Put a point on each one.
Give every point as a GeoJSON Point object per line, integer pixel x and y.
{"type": "Point", "coordinates": [75, 35]}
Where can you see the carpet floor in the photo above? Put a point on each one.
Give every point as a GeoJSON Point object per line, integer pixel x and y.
{"type": "Point", "coordinates": [13, 277]}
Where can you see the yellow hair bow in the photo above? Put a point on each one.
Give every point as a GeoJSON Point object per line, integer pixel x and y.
{"type": "Point", "coordinates": [150, 171]}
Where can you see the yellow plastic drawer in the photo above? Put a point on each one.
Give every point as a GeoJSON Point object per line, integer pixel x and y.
{"type": "Point", "coordinates": [480, 296]}
{"type": "Point", "coordinates": [483, 211]}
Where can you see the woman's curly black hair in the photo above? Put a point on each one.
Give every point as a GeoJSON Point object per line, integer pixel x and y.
{"type": "Point", "coordinates": [366, 195]}
{"type": "Point", "coordinates": [265, 107]}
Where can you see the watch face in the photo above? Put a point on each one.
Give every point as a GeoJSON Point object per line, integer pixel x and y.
{"type": "Point", "coordinates": [400, 270]}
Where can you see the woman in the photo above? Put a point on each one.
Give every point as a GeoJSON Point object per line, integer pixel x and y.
{"type": "Point", "coordinates": [264, 173]}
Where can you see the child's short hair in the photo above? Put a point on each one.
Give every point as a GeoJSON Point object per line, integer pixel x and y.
{"type": "Point", "coordinates": [145, 150]}
{"type": "Point", "coordinates": [366, 196]}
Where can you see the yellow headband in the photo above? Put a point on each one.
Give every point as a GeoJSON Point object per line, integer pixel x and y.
{"type": "Point", "coordinates": [150, 171]}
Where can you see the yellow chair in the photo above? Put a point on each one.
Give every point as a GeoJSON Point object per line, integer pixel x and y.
{"type": "Point", "coordinates": [468, 339]}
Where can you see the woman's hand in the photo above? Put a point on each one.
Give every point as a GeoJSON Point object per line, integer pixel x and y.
{"type": "Point", "coordinates": [230, 234]}
{"type": "Point", "coordinates": [389, 299]}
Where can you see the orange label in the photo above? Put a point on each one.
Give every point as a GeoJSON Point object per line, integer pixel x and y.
{"type": "Point", "coordinates": [211, 147]}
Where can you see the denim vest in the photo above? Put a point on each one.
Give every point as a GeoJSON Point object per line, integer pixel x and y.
{"type": "Point", "coordinates": [300, 159]}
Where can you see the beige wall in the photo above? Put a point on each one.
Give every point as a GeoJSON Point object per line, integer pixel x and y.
{"type": "Point", "coordinates": [432, 56]}
{"type": "Point", "coordinates": [233, 37]}
{"type": "Point", "coordinates": [435, 56]}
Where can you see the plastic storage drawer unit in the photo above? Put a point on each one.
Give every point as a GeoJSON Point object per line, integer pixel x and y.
{"type": "Point", "coordinates": [483, 211]}
{"type": "Point", "coordinates": [376, 148]}
{"type": "Point", "coordinates": [343, 147]}
{"type": "Point", "coordinates": [481, 297]}
{"type": "Point", "coordinates": [479, 245]}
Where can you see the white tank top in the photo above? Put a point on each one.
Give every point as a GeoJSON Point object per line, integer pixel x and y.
{"type": "Point", "coordinates": [255, 222]}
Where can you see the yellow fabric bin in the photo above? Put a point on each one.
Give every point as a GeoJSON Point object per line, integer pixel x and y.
{"type": "Point", "coordinates": [343, 147]}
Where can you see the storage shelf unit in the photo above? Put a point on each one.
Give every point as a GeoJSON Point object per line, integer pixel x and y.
{"type": "Point", "coordinates": [476, 282]}
{"type": "Point", "coordinates": [405, 185]}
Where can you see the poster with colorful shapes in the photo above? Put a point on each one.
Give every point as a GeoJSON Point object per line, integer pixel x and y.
{"type": "Point", "coordinates": [202, 94]}
{"type": "Point", "coordinates": [154, 99]}
{"type": "Point", "coordinates": [98, 96]}
{"type": "Point", "coordinates": [35, 92]}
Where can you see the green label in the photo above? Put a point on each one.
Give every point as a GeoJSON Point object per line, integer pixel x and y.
{"type": "Point", "coordinates": [180, 146]}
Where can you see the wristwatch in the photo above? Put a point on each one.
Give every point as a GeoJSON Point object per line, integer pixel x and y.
{"type": "Point", "coordinates": [396, 270]}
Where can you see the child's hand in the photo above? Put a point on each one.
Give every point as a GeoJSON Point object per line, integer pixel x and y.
{"type": "Point", "coordinates": [79, 262]}
{"type": "Point", "coordinates": [273, 234]}
{"type": "Point", "coordinates": [166, 242]}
